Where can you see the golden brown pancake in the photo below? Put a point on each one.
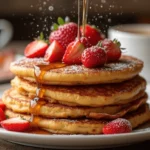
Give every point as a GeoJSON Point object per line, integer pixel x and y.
{"type": "Point", "coordinates": [126, 68]}
{"type": "Point", "coordinates": [82, 126]}
{"type": "Point", "coordinates": [93, 95]}
{"type": "Point", "coordinates": [21, 104]}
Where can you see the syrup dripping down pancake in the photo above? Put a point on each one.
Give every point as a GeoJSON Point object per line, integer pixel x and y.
{"type": "Point", "coordinates": [83, 126]}
{"type": "Point", "coordinates": [90, 95]}
{"type": "Point", "coordinates": [21, 104]}
{"type": "Point", "coordinates": [126, 68]}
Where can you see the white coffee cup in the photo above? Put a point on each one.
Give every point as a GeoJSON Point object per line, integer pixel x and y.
{"type": "Point", "coordinates": [136, 39]}
{"type": "Point", "coordinates": [6, 32]}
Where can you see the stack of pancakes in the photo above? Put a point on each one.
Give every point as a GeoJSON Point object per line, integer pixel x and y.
{"type": "Point", "coordinates": [74, 99]}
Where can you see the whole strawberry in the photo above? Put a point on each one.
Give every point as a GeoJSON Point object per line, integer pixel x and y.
{"type": "Point", "coordinates": [93, 57]}
{"type": "Point", "coordinates": [64, 34]}
{"type": "Point", "coordinates": [92, 34]}
{"type": "Point", "coordinates": [112, 49]}
{"type": "Point", "coordinates": [119, 125]}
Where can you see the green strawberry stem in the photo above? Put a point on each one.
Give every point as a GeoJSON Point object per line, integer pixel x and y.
{"type": "Point", "coordinates": [41, 37]}
{"type": "Point", "coordinates": [99, 44]}
{"type": "Point", "coordinates": [117, 42]}
{"type": "Point", "coordinates": [60, 21]}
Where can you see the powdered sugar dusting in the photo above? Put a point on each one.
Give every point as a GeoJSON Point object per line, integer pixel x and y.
{"type": "Point", "coordinates": [125, 63]}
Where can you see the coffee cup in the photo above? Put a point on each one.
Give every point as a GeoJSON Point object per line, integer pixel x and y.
{"type": "Point", "coordinates": [136, 39]}
{"type": "Point", "coordinates": [6, 32]}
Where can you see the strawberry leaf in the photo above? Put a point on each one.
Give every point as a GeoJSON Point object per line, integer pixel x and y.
{"type": "Point", "coordinates": [41, 36]}
{"type": "Point", "coordinates": [60, 21]}
{"type": "Point", "coordinates": [117, 42]}
{"type": "Point", "coordinates": [55, 26]}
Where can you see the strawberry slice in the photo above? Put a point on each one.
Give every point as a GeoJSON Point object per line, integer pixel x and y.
{"type": "Point", "coordinates": [2, 105]}
{"type": "Point", "coordinates": [73, 53]}
{"type": "Point", "coordinates": [15, 124]}
{"type": "Point", "coordinates": [36, 48]}
{"type": "Point", "coordinates": [2, 115]}
{"type": "Point", "coordinates": [54, 52]}
{"type": "Point", "coordinates": [92, 34]}
{"type": "Point", "coordinates": [119, 125]}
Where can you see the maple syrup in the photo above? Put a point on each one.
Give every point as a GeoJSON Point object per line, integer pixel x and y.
{"type": "Point", "coordinates": [37, 102]}
{"type": "Point", "coordinates": [84, 15]}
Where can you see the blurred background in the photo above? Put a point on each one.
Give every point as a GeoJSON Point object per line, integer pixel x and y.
{"type": "Point", "coordinates": [29, 18]}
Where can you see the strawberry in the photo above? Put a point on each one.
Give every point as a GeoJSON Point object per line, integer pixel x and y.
{"type": "Point", "coordinates": [54, 52]}
{"type": "Point", "coordinates": [73, 53]}
{"type": "Point", "coordinates": [112, 49]}
{"type": "Point", "coordinates": [36, 48]}
{"type": "Point", "coordinates": [85, 42]}
{"type": "Point", "coordinates": [93, 56]}
{"type": "Point", "coordinates": [92, 33]}
{"type": "Point", "coordinates": [2, 105]}
{"type": "Point", "coordinates": [2, 115]}
{"type": "Point", "coordinates": [119, 125]}
{"type": "Point", "coordinates": [15, 124]}
{"type": "Point", "coordinates": [65, 34]}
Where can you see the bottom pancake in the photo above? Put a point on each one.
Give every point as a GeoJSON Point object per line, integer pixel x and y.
{"type": "Point", "coordinates": [82, 126]}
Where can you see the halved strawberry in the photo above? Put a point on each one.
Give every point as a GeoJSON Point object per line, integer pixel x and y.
{"type": "Point", "coordinates": [73, 53]}
{"type": "Point", "coordinates": [92, 34]}
{"type": "Point", "coordinates": [2, 115]}
{"type": "Point", "coordinates": [112, 49]}
{"type": "Point", "coordinates": [54, 52]}
{"type": "Point", "coordinates": [119, 125]}
{"type": "Point", "coordinates": [36, 48]}
{"type": "Point", "coordinates": [15, 124]}
{"type": "Point", "coordinates": [2, 105]}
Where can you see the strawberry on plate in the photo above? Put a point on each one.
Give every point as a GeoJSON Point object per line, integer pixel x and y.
{"type": "Point", "coordinates": [112, 49]}
{"type": "Point", "coordinates": [94, 56]}
{"type": "Point", "coordinates": [15, 124]}
{"type": "Point", "coordinates": [73, 52]}
{"type": "Point", "coordinates": [36, 48]}
{"type": "Point", "coordinates": [54, 52]}
{"type": "Point", "coordinates": [119, 125]}
{"type": "Point", "coordinates": [64, 34]}
{"type": "Point", "coordinates": [2, 115]}
{"type": "Point", "coordinates": [92, 34]}
{"type": "Point", "coordinates": [2, 105]}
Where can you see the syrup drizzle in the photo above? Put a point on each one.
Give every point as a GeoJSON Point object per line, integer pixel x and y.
{"type": "Point", "coordinates": [79, 4]}
{"type": "Point", "coordinates": [37, 101]}
{"type": "Point", "coordinates": [84, 15]}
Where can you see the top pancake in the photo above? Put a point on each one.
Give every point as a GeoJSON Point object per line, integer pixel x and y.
{"type": "Point", "coordinates": [127, 67]}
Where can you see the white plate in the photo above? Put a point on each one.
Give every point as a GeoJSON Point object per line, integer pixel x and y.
{"type": "Point", "coordinates": [78, 141]}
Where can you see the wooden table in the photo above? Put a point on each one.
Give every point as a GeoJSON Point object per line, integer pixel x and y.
{"type": "Point", "coordinates": [4, 145]}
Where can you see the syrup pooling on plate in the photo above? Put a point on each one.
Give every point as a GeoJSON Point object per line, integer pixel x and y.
{"type": "Point", "coordinates": [37, 102]}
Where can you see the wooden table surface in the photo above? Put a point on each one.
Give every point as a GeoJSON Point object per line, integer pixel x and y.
{"type": "Point", "coordinates": [4, 145]}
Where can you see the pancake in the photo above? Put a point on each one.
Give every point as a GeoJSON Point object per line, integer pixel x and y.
{"type": "Point", "coordinates": [93, 95]}
{"type": "Point", "coordinates": [21, 104]}
{"type": "Point", "coordinates": [126, 68]}
{"type": "Point", "coordinates": [82, 126]}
